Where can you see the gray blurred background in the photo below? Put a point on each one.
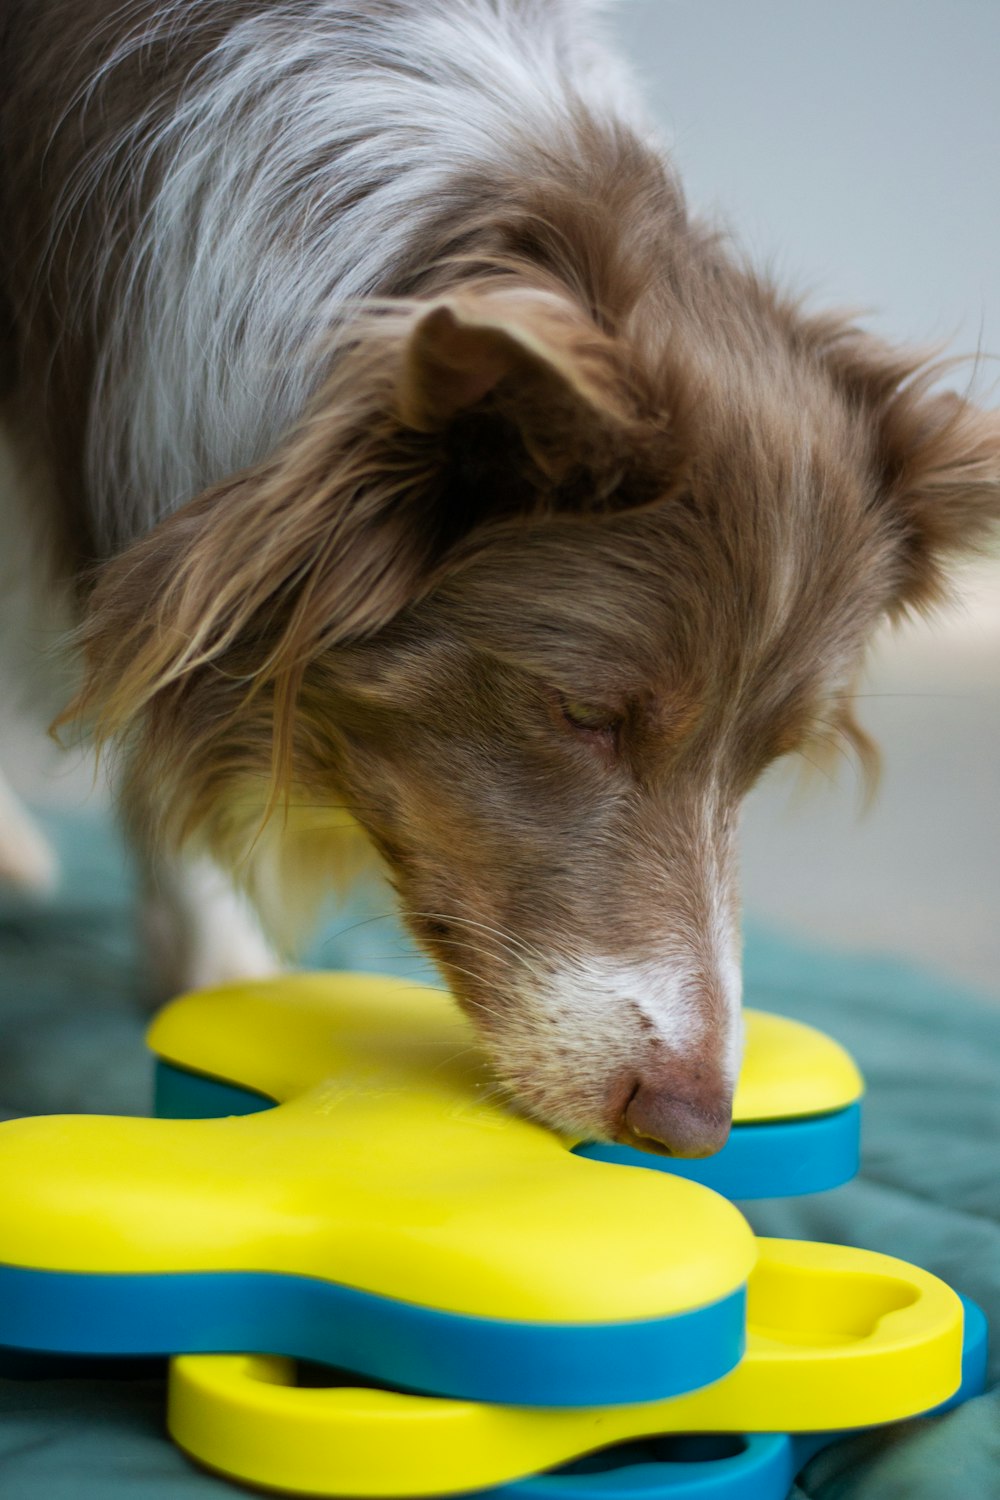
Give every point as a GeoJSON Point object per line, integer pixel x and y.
{"type": "Point", "coordinates": [856, 147]}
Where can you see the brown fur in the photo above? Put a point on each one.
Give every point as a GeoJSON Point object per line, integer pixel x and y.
{"type": "Point", "coordinates": [587, 524]}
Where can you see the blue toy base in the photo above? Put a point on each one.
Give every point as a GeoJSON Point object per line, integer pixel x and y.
{"type": "Point", "coordinates": [761, 1466]}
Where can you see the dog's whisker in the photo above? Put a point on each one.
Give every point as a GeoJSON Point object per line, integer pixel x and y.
{"type": "Point", "coordinates": [505, 937]}
{"type": "Point", "coordinates": [518, 959]}
{"type": "Point", "coordinates": [960, 697]}
{"type": "Point", "coordinates": [469, 945]}
{"type": "Point", "coordinates": [342, 932]}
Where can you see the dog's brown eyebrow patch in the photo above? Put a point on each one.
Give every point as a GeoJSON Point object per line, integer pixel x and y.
{"type": "Point", "coordinates": [679, 715]}
{"type": "Point", "coordinates": [668, 717]}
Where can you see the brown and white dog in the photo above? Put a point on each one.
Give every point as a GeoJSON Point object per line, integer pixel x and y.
{"type": "Point", "coordinates": [410, 449]}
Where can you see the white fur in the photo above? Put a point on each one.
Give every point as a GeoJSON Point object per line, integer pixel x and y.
{"type": "Point", "coordinates": [200, 930]}
{"type": "Point", "coordinates": [723, 938]}
{"type": "Point", "coordinates": [27, 860]}
{"type": "Point", "coordinates": [239, 275]}
{"type": "Point", "coordinates": [255, 245]}
{"type": "Point", "coordinates": [616, 1019]}
{"type": "Point", "coordinates": [593, 994]}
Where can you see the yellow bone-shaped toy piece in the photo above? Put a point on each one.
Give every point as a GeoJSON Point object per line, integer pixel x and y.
{"type": "Point", "coordinates": [391, 1165]}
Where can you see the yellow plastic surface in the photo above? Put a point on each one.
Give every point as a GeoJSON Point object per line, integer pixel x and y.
{"type": "Point", "coordinates": [789, 1069]}
{"type": "Point", "coordinates": [391, 1166]}
{"type": "Point", "coordinates": [836, 1338]}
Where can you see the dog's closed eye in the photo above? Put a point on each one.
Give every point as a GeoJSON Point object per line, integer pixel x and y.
{"type": "Point", "coordinates": [594, 722]}
{"type": "Point", "coordinates": [589, 715]}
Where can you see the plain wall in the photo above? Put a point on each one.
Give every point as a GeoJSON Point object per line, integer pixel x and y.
{"type": "Point", "coordinates": [855, 147]}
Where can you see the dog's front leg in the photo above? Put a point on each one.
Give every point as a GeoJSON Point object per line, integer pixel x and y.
{"type": "Point", "coordinates": [26, 858]}
{"type": "Point", "coordinates": [200, 930]}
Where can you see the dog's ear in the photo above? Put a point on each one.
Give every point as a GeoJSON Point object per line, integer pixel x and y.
{"type": "Point", "coordinates": [465, 348]}
{"type": "Point", "coordinates": [942, 468]}
{"type": "Point", "coordinates": [537, 411]}
{"type": "Point", "coordinates": [936, 455]}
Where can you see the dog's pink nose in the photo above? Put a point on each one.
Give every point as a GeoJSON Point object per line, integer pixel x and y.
{"type": "Point", "coordinates": [657, 1118]}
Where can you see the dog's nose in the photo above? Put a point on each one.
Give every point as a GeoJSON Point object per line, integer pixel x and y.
{"type": "Point", "coordinates": [658, 1118]}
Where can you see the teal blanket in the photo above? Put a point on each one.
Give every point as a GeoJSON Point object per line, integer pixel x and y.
{"type": "Point", "coordinates": [71, 1028]}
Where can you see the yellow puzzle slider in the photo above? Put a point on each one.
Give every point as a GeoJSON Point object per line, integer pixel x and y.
{"type": "Point", "coordinates": [837, 1338]}
{"type": "Point", "coordinates": [390, 1215]}
{"type": "Point", "coordinates": [796, 1114]}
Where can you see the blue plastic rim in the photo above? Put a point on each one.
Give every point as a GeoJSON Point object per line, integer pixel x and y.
{"type": "Point", "coordinates": [754, 1466]}
{"type": "Point", "coordinates": [777, 1159]}
{"type": "Point", "coordinates": [772, 1159]}
{"type": "Point", "coordinates": [425, 1349]}
{"type": "Point", "coordinates": [760, 1466]}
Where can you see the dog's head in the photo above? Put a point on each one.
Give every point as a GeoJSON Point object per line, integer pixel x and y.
{"type": "Point", "coordinates": [538, 600]}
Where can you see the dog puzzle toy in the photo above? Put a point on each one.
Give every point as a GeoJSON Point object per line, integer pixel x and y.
{"type": "Point", "coordinates": [837, 1337]}
{"type": "Point", "coordinates": [339, 1183]}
